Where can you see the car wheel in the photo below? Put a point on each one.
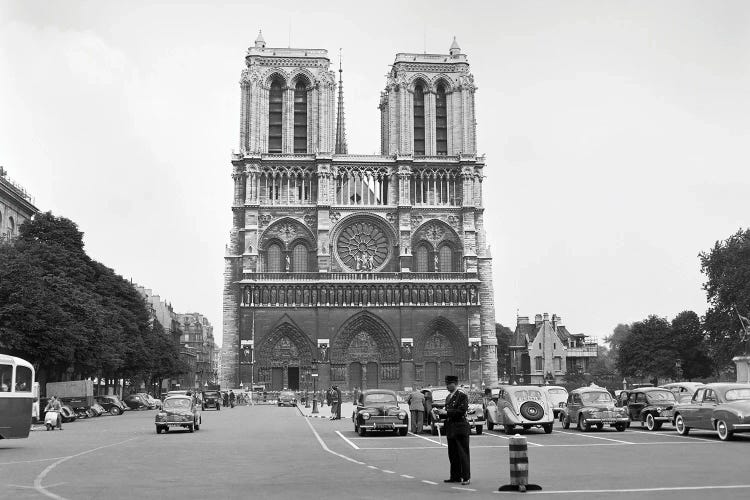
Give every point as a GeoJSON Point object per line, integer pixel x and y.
{"type": "Point", "coordinates": [362, 431]}
{"type": "Point", "coordinates": [651, 423]}
{"type": "Point", "coordinates": [566, 422]}
{"type": "Point", "coordinates": [583, 425]}
{"type": "Point", "coordinates": [722, 429]}
{"type": "Point", "coordinates": [191, 427]}
{"type": "Point", "coordinates": [509, 429]}
{"type": "Point", "coordinates": [403, 431]}
{"type": "Point", "coordinates": [620, 427]}
{"type": "Point", "coordinates": [547, 428]}
{"type": "Point", "coordinates": [115, 410]}
{"type": "Point", "coordinates": [679, 425]}
{"type": "Point", "coordinates": [478, 429]}
{"type": "Point", "coordinates": [599, 427]}
{"type": "Point", "coordinates": [490, 425]}
{"type": "Point", "coordinates": [531, 410]}
{"type": "Point", "coordinates": [49, 427]}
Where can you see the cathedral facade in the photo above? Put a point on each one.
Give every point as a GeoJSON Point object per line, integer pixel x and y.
{"type": "Point", "coordinates": [357, 270]}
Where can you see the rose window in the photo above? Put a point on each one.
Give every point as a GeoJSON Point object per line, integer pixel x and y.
{"type": "Point", "coordinates": [362, 246]}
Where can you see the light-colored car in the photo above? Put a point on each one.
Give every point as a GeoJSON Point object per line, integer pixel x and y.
{"type": "Point", "coordinates": [558, 396]}
{"type": "Point", "coordinates": [720, 407]}
{"type": "Point", "coordinates": [475, 414]}
{"type": "Point", "coordinates": [287, 398]}
{"type": "Point", "coordinates": [524, 406]}
{"type": "Point", "coordinates": [157, 404]}
{"type": "Point", "coordinates": [683, 391]}
{"type": "Point", "coordinates": [178, 411]}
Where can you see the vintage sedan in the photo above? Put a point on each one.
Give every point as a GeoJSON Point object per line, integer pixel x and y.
{"type": "Point", "coordinates": [683, 391]}
{"type": "Point", "coordinates": [111, 403]}
{"type": "Point", "coordinates": [558, 396]}
{"type": "Point", "coordinates": [378, 410]}
{"type": "Point", "coordinates": [652, 406]}
{"type": "Point", "coordinates": [720, 407]}
{"type": "Point", "coordinates": [136, 402]}
{"type": "Point", "coordinates": [178, 411]}
{"type": "Point", "coordinates": [595, 406]}
{"type": "Point", "coordinates": [287, 398]}
{"type": "Point", "coordinates": [475, 415]}
{"type": "Point", "coordinates": [521, 406]}
{"type": "Point", "coordinates": [211, 399]}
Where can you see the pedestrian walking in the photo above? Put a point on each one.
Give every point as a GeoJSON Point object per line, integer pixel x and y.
{"type": "Point", "coordinates": [416, 408]}
{"type": "Point", "coordinates": [339, 401]}
{"type": "Point", "coordinates": [232, 398]}
{"type": "Point", "coordinates": [456, 432]}
{"type": "Point", "coordinates": [427, 406]}
{"type": "Point", "coordinates": [355, 396]}
{"type": "Point", "coordinates": [329, 397]}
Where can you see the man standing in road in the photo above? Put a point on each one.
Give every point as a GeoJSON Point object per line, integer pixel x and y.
{"type": "Point", "coordinates": [416, 407]}
{"type": "Point", "coordinates": [457, 432]}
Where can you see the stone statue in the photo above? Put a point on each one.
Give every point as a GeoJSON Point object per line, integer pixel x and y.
{"type": "Point", "coordinates": [436, 262]}
{"type": "Point", "coordinates": [288, 263]}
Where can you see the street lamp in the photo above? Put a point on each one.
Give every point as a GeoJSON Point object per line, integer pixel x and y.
{"type": "Point", "coordinates": [315, 386]}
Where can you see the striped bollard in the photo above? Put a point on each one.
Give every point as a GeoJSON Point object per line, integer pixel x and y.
{"type": "Point", "coordinates": [519, 466]}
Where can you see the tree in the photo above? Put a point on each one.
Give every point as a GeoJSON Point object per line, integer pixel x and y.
{"type": "Point", "coordinates": [727, 269]}
{"type": "Point", "coordinates": [688, 339]}
{"type": "Point", "coordinates": [648, 351]}
{"type": "Point", "coordinates": [504, 336]}
{"type": "Point", "coordinates": [619, 335]}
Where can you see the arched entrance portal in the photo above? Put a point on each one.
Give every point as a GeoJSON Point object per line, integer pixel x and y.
{"type": "Point", "coordinates": [441, 349]}
{"type": "Point", "coordinates": [286, 353]}
{"type": "Point", "coordinates": [365, 354]}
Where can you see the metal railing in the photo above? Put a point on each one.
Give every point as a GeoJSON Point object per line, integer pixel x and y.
{"type": "Point", "coordinates": [359, 276]}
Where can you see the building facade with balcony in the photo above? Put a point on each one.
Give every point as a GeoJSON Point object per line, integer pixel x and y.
{"type": "Point", "coordinates": [16, 207]}
{"type": "Point", "coordinates": [197, 348]}
{"type": "Point", "coordinates": [372, 271]}
{"type": "Point", "coordinates": [544, 352]}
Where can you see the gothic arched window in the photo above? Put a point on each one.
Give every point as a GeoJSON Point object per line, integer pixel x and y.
{"type": "Point", "coordinates": [11, 226]}
{"type": "Point", "coordinates": [446, 259]}
{"type": "Point", "coordinates": [423, 258]}
{"type": "Point", "coordinates": [275, 106]}
{"type": "Point", "coordinates": [300, 118]}
{"type": "Point", "coordinates": [299, 258]}
{"type": "Point", "coordinates": [273, 258]}
{"type": "Point", "coordinates": [441, 121]}
{"type": "Point", "coordinates": [419, 148]}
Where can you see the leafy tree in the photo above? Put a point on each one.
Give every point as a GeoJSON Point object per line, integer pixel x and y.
{"type": "Point", "coordinates": [727, 269]}
{"type": "Point", "coordinates": [648, 351]}
{"type": "Point", "coordinates": [619, 335]}
{"type": "Point", "coordinates": [688, 339]}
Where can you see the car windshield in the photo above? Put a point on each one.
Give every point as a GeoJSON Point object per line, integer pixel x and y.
{"type": "Point", "coordinates": [558, 392]}
{"type": "Point", "coordinates": [210, 394]}
{"type": "Point", "coordinates": [380, 397]}
{"type": "Point", "coordinates": [176, 403]}
{"type": "Point", "coordinates": [440, 394]}
{"type": "Point", "coordinates": [528, 394]}
{"type": "Point", "coordinates": [288, 394]}
{"type": "Point", "coordinates": [738, 394]}
{"type": "Point", "coordinates": [660, 396]}
{"type": "Point", "coordinates": [596, 397]}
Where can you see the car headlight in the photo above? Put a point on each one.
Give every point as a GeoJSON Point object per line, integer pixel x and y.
{"type": "Point", "coordinates": [365, 415]}
{"type": "Point", "coordinates": [659, 409]}
{"type": "Point", "coordinates": [402, 415]}
{"type": "Point", "coordinates": [161, 416]}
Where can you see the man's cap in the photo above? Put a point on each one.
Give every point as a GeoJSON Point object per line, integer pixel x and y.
{"type": "Point", "coordinates": [451, 379]}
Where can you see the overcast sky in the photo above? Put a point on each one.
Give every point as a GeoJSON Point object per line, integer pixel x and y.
{"type": "Point", "coordinates": [616, 134]}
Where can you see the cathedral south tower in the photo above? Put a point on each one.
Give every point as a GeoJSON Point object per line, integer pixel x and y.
{"type": "Point", "coordinates": [368, 270]}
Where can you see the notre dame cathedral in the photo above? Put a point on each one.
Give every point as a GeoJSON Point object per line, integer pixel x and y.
{"type": "Point", "coordinates": [367, 270]}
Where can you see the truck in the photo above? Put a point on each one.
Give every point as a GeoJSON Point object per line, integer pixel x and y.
{"type": "Point", "coordinates": [76, 393]}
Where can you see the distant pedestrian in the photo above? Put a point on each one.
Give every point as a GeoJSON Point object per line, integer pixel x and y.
{"type": "Point", "coordinates": [416, 403]}
{"type": "Point", "coordinates": [355, 396]}
{"type": "Point", "coordinates": [54, 405]}
{"type": "Point", "coordinates": [427, 405]}
{"type": "Point", "coordinates": [329, 396]}
{"type": "Point", "coordinates": [232, 398]}
{"type": "Point", "coordinates": [225, 398]}
{"type": "Point", "coordinates": [456, 432]}
{"type": "Point", "coordinates": [340, 400]}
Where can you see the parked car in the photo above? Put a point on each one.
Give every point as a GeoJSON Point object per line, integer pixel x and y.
{"type": "Point", "coordinates": [521, 406]}
{"type": "Point", "coordinates": [287, 398]}
{"type": "Point", "coordinates": [67, 413]}
{"type": "Point", "coordinates": [593, 405]}
{"type": "Point", "coordinates": [683, 391]}
{"type": "Point", "coordinates": [475, 414]}
{"type": "Point", "coordinates": [136, 402]}
{"type": "Point", "coordinates": [178, 411]}
{"type": "Point", "coordinates": [723, 407]}
{"type": "Point", "coordinates": [652, 406]}
{"type": "Point", "coordinates": [153, 402]}
{"type": "Point", "coordinates": [558, 396]}
{"type": "Point", "coordinates": [111, 403]}
{"type": "Point", "coordinates": [211, 399]}
{"type": "Point", "coordinates": [378, 410]}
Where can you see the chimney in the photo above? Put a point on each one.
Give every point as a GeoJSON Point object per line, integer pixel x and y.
{"type": "Point", "coordinates": [538, 319]}
{"type": "Point", "coordinates": [546, 317]}
{"type": "Point", "coordinates": [557, 319]}
{"type": "Point", "coordinates": [522, 320]}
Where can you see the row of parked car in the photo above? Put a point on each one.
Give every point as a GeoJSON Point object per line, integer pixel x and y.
{"type": "Point", "coordinates": [720, 407]}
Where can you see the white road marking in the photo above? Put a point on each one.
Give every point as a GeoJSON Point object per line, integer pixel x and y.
{"type": "Point", "coordinates": [641, 490]}
{"type": "Point", "coordinates": [463, 489]}
{"type": "Point", "coordinates": [427, 482]}
{"type": "Point", "coordinates": [372, 467]}
{"type": "Point", "coordinates": [407, 477]}
{"type": "Point", "coordinates": [584, 434]}
{"type": "Point", "coordinates": [347, 440]}
{"type": "Point", "coordinates": [38, 480]}
{"type": "Point", "coordinates": [326, 448]}
{"type": "Point", "coordinates": [388, 471]}
{"type": "Point", "coordinates": [31, 461]}
{"type": "Point", "coordinates": [508, 437]}
{"type": "Point", "coordinates": [430, 440]}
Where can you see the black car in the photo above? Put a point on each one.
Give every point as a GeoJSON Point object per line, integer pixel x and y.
{"type": "Point", "coordinates": [652, 406]}
{"type": "Point", "coordinates": [211, 399]}
{"type": "Point", "coordinates": [136, 402]}
{"type": "Point", "coordinates": [378, 410]}
{"type": "Point", "coordinates": [111, 403]}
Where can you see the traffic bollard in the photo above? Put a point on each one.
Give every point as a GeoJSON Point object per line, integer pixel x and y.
{"type": "Point", "coordinates": [519, 466]}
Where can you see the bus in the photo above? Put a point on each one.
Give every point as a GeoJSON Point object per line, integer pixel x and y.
{"type": "Point", "coordinates": [16, 397]}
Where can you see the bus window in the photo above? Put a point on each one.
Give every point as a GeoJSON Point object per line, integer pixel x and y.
{"type": "Point", "coordinates": [23, 379]}
{"type": "Point", "coordinates": [6, 374]}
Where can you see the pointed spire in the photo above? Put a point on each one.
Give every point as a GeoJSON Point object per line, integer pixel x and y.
{"type": "Point", "coordinates": [260, 42]}
{"type": "Point", "coordinates": [455, 49]}
{"type": "Point", "coordinates": [341, 148]}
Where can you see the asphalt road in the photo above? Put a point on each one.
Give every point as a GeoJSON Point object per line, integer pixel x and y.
{"type": "Point", "coordinates": [270, 452]}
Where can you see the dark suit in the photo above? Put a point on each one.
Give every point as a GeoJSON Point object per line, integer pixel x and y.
{"type": "Point", "coordinates": [457, 432]}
